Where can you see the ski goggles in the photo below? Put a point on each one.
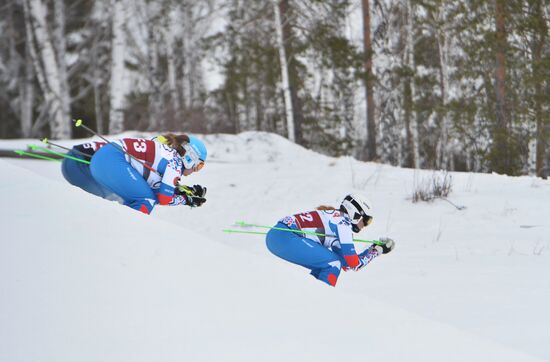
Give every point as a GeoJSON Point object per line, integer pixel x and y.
{"type": "Point", "coordinates": [367, 220]}
{"type": "Point", "coordinates": [191, 159]}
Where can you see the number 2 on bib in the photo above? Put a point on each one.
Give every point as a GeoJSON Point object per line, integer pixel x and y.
{"type": "Point", "coordinates": [309, 220]}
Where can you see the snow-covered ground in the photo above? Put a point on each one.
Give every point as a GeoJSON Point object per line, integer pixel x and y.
{"type": "Point", "coordinates": [84, 279]}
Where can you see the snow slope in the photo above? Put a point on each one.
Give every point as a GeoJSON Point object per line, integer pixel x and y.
{"type": "Point", "coordinates": [86, 279]}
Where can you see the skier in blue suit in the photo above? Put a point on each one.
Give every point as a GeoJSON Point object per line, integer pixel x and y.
{"type": "Point", "coordinates": [328, 248]}
{"type": "Point", "coordinates": [145, 173]}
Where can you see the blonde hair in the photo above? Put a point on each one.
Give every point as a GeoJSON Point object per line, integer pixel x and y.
{"type": "Point", "coordinates": [325, 208]}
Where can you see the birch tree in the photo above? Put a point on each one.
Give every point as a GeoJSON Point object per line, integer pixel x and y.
{"type": "Point", "coordinates": [169, 36]}
{"type": "Point", "coordinates": [411, 119]}
{"type": "Point", "coordinates": [284, 72]}
{"type": "Point", "coordinates": [16, 73]}
{"type": "Point", "coordinates": [118, 48]}
{"type": "Point", "coordinates": [393, 83]}
{"type": "Point", "coordinates": [289, 19]}
{"type": "Point", "coordinates": [443, 41]}
{"type": "Point", "coordinates": [47, 65]}
{"type": "Point", "coordinates": [152, 18]}
{"type": "Point", "coordinates": [96, 82]}
{"type": "Point", "coordinates": [59, 36]}
{"type": "Point", "coordinates": [27, 95]}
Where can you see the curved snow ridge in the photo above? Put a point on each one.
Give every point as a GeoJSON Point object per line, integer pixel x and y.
{"type": "Point", "coordinates": [90, 280]}
{"type": "Point", "coordinates": [245, 147]}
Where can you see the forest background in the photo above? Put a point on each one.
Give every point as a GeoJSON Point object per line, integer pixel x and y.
{"type": "Point", "coordinates": [440, 84]}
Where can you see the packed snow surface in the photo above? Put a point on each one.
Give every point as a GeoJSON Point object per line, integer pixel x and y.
{"type": "Point", "coordinates": [85, 279]}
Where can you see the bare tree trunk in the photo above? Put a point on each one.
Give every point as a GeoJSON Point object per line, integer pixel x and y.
{"type": "Point", "coordinates": [500, 59]}
{"type": "Point", "coordinates": [59, 121]}
{"type": "Point", "coordinates": [188, 84]}
{"type": "Point", "coordinates": [172, 76]}
{"type": "Point", "coordinates": [116, 112]}
{"type": "Point", "coordinates": [46, 106]}
{"type": "Point", "coordinates": [500, 159]}
{"type": "Point", "coordinates": [442, 159]}
{"type": "Point", "coordinates": [27, 93]}
{"type": "Point", "coordinates": [96, 71]}
{"type": "Point", "coordinates": [284, 73]}
{"type": "Point", "coordinates": [540, 37]}
{"type": "Point", "coordinates": [61, 46]}
{"type": "Point", "coordinates": [412, 126]}
{"type": "Point", "coordinates": [297, 111]}
{"type": "Point", "coordinates": [32, 50]}
{"type": "Point", "coordinates": [369, 83]}
{"type": "Point", "coordinates": [155, 93]}
{"type": "Point", "coordinates": [258, 107]}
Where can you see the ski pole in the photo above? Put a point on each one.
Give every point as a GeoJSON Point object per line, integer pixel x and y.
{"type": "Point", "coordinates": [23, 153]}
{"type": "Point", "coordinates": [51, 159]}
{"type": "Point", "coordinates": [289, 230]}
{"type": "Point", "coordinates": [35, 147]}
{"type": "Point", "coordinates": [48, 142]}
{"type": "Point", "coordinates": [64, 155]}
{"type": "Point", "coordinates": [78, 123]}
{"type": "Point", "coordinates": [244, 232]}
{"type": "Point", "coordinates": [244, 224]}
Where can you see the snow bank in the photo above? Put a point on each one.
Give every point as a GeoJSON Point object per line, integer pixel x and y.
{"type": "Point", "coordinates": [83, 279]}
{"type": "Point", "coordinates": [481, 272]}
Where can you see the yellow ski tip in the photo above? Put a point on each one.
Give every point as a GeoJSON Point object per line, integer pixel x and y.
{"type": "Point", "coordinates": [44, 140]}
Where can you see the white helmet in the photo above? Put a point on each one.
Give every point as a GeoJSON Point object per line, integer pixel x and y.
{"type": "Point", "coordinates": [358, 208]}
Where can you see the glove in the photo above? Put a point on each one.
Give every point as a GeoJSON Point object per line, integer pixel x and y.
{"type": "Point", "coordinates": [199, 190]}
{"type": "Point", "coordinates": [193, 195]}
{"type": "Point", "coordinates": [195, 190]}
{"type": "Point", "coordinates": [194, 201]}
{"type": "Point", "coordinates": [386, 246]}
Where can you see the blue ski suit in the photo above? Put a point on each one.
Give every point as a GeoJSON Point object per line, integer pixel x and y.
{"type": "Point", "coordinates": [326, 254]}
